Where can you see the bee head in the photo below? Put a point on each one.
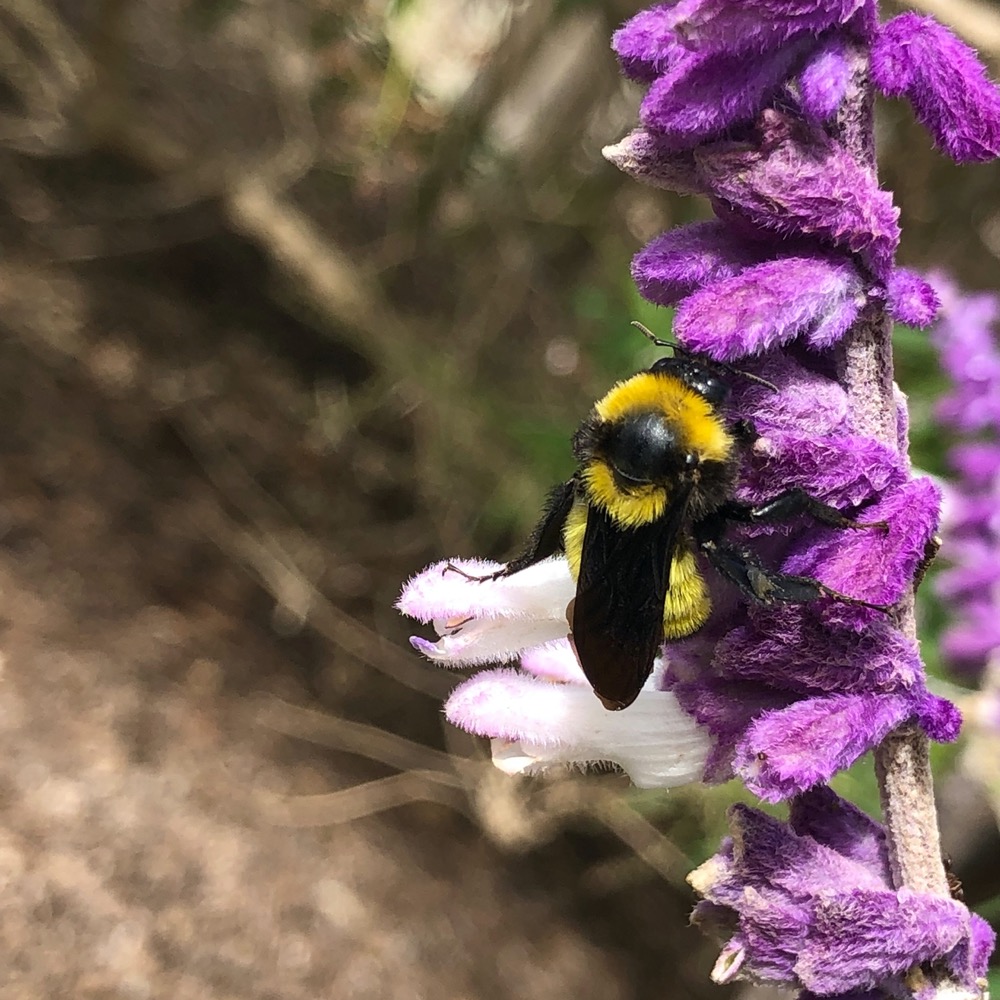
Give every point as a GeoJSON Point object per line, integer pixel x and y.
{"type": "Point", "coordinates": [644, 448]}
{"type": "Point", "coordinates": [707, 381]}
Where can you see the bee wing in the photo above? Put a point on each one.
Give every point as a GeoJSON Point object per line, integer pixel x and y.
{"type": "Point", "coordinates": [617, 616]}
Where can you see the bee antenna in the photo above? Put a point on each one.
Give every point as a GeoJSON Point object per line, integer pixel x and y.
{"type": "Point", "coordinates": [754, 378]}
{"type": "Point", "coordinates": [649, 335]}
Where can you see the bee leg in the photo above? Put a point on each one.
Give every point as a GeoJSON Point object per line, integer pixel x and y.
{"type": "Point", "coordinates": [769, 587]}
{"type": "Point", "coordinates": [546, 539]}
{"type": "Point", "coordinates": [452, 568]}
{"type": "Point", "coordinates": [787, 504]}
{"type": "Point", "coordinates": [744, 431]}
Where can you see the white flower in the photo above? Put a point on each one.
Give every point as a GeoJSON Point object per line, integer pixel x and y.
{"type": "Point", "coordinates": [544, 714]}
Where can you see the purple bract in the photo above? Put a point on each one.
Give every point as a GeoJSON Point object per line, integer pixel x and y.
{"type": "Point", "coordinates": [811, 904]}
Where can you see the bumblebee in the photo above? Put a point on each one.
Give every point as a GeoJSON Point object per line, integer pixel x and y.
{"type": "Point", "coordinates": [658, 464]}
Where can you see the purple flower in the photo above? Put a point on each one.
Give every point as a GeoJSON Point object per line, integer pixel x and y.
{"type": "Point", "coordinates": [912, 300]}
{"type": "Point", "coordinates": [966, 340]}
{"type": "Point", "coordinates": [811, 904]}
{"type": "Point", "coordinates": [771, 304]}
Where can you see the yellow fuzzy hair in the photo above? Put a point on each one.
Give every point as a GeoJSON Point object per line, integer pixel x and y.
{"type": "Point", "coordinates": [642, 505]}
{"type": "Point", "coordinates": [704, 429]}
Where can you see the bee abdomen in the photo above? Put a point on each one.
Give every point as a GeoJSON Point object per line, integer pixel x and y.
{"type": "Point", "coordinates": [687, 604]}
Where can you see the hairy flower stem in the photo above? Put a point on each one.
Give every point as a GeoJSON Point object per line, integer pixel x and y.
{"type": "Point", "coordinates": [902, 766]}
{"type": "Point", "coordinates": [902, 762]}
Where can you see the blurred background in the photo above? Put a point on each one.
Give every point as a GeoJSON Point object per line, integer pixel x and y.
{"type": "Point", "coordinates": [298, 296]}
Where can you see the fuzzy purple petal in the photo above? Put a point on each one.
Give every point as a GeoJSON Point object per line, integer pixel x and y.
{"type": "Point", "coordinates": [807, 404]}
{"type": "Point", "coordinates": [644, 43]}
{"type": "Point", "coordinates": [793, 649]}
{"type": "Point", "coordinates": [920, 59]}
{"type": "Point", "coordinates": [844, 470]}
{"type": "Point", "coordinates": [824, 79]}
{"type": "Point", "coordinates": [861, 937]}
{"type": "Point", "coordinates": [874, 564]}
{"type": "Point", "coordinates": [771, 858]}
{"type": "Point", "coordinates": [831, 327]}
{"type": "Point", "coordinates": [912, 300]}
{"type": "Point", "coordinates": [767, 305]}
{"type": "Point", "coordinates": [701, 96]}
{"type": "Point", "coordinates": [683, 259]}
{"type": "Point", "coordinates": [823, 815]}
{"type": "Point", "coordinates": [647, 44]}
{"type": "Point", "coordinates": [850, 995]}
{"type": "Point", "coordinates": [938, 717]}
{"type": "Point", "coordinates": [790, 750]}
{"type": "Point", "coordinates": [647, 157]}
{"type": "Point", "coordinates": [798, 181]}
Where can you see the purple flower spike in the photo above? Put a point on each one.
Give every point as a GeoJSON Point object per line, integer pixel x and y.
{"type": "Point", "coordinates": [683, 259]}
{"type": "Point", "coordinates": [807, 659]}
{"type": "Point", "coordinates": [823, 82]}
{"type": "Point", "coordinates": [918, 58]}
{"type": "Point", "coordinates": [970, 355]}
{"type": "Point", "coordinates": [770, 304]}
{"type": "Point", "coordinates": [813, 908]}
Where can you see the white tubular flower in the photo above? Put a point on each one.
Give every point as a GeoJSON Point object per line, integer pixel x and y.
{"type": "Point", "coordinates": [545, 714]}
{"type": "Point", "coordinates": [535, 724]}
{"type": "Point", "coordinates": [484, 620]}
